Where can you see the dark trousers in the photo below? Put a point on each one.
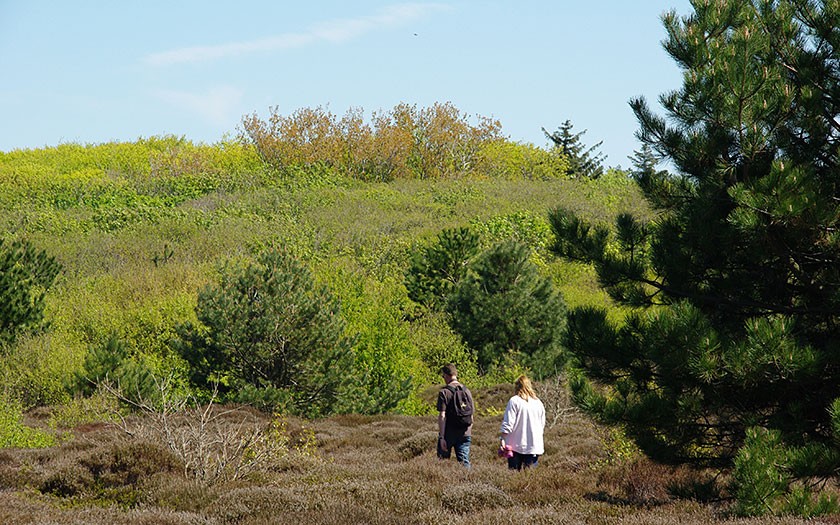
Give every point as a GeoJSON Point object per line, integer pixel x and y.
{"type": "Point", "coordinates": [519, 461]}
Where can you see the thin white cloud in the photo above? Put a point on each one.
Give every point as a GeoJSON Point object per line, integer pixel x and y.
{"type": "Point", "coordinates": [335, 31]}
{"type": "Point", "coordinates": [217, 106]}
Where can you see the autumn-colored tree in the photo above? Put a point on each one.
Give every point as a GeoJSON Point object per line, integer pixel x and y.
{"type": "Point", "coordinates": [405, 142]}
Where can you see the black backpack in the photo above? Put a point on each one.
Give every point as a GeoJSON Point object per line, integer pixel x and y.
{"type": "Point", "coordinates": [461, 407]}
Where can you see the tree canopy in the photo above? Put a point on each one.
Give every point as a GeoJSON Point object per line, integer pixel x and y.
{"type": "Point", "coordinates": [736, 283]}
{"type": "Point", "coordinates": [268, 334]}
{"type": "Point", "coordinates": [504, 308]}
{"type": "Point", "coordinates": [26, 274]}
{"type": "Point", "coordinates": [583, 161]}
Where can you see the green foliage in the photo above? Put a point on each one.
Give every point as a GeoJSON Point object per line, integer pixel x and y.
{"type": "Point", "coordinates": [36, 370]}
{"type": "Point", "coordinates": [803, 500]}
{"type": "Point", "coordinates": [765, 472]}
{"type": "Point", "coordinates": [14, 434]}
{"type": "Point", "coordinates": [512, 161]}
{"type": "Point", "coordinates": [735, 278]}
{"type": "Point", "coordinates": [140, 226]}
{"type": "Point", "coordinates": [435, 270]}
{"type": "Point", "coordinates": [503, 307]}
{"type": "Point", "coordinates": [80, 410]}
{"type": "Point", "coordinates": [267, 326]}
{"type": "Point", "coordinates": [583, 162]}
{"type": "Point", "coordinates": [759, 473]}
{"type": "Point", "coordinates": [529, 229]}
{"type": "Point", "coordinates": [437, 344]}
{"type": "Point", "coordinates": [385, 361]}
{"type": "Point", "coordinates": [26, 274]}
{"type": "Point", "coordinates": [112, 364]}
{"type": "Point", "coordinates": [643, 169]}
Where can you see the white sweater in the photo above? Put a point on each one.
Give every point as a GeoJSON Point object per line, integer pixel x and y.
{"type": "Point", "coordinates": [523, 425]}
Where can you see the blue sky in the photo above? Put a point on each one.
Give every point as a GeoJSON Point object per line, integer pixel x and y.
{"type": "Point", "coordinates": [95, 71]}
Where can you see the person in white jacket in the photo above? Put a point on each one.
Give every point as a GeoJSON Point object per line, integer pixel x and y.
{"type": "Point", "coordinates": [522, 426]}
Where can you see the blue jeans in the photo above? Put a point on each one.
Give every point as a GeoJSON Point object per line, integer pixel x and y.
{"type": "Point", "coordinates": [462, 450]}
{"type": "Point", "coordinates": [520, 461]}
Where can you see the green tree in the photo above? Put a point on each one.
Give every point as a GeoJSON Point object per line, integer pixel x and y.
{"type": "Point", "coordinates": [435, 270]}
{"type": "Point", "coordinates": [113, 365]}
{"type": "Point", "coordinates": [26, 274]}
{"type": "Point", "coordinates": [583, 161]}
{"type": "Point", "coordinates": [268, 334]}
{"type": "Point", "coordinates": [738, 279]}
{"type": "Point", "coordinates": [504, 308]}
{"type": "Point", "coordinates": [643, 162]}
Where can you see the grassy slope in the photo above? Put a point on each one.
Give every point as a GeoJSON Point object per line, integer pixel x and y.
{"type": "Point", "coordinates": [140, 227]}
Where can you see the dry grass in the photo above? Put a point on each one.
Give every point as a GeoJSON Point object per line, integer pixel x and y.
{"type": "Point", "coordinates": [376, 470]}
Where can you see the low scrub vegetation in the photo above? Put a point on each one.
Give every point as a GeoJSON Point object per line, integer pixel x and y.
{"type": "Point", "coordinates": [139, 229]}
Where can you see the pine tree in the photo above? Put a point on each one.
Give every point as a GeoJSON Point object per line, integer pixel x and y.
{"type": "Point", "coordinates": [267, 334]}
{"type": "Point", "coordinates": [26, 274]}
{"type": "Point", "coordinates": [436, 269]}
{"type": "Point", "coordinates": [737, 281]}
{"type": "Point", "coordinates": [583, 161]}
{"type": "Point", "coordinates": [503, 308]}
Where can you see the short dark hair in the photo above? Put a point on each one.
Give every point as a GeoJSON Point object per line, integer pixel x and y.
{"type": "Point", "coordinates": [449, 370]}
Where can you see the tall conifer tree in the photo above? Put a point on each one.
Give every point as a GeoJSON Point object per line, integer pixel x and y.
{"type": "Point", "coordinates": [736, 283]}
{"type": "Point", "coordinates": [583, 161]}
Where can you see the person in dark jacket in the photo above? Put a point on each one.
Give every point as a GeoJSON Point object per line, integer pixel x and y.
{"type": "Point", "coordinates": [452, 434]}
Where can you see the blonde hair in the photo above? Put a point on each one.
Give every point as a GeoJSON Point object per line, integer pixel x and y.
{"type": "Point", "coordinates": [524, 388]}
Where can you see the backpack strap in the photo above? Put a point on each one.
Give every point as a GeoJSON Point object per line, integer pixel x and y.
{"type": "Point", "coordinates": [452, 389]}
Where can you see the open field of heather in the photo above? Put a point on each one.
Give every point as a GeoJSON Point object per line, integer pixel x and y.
{"type": "Point", "coordinates": [351, 469]}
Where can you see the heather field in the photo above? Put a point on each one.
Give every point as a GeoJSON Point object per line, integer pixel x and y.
{"type": "Point", "coordinates": [352, 469]}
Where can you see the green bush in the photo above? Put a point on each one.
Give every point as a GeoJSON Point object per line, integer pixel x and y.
{"type": "Point", "coordinates": [513, 160]}
{"type": "Point", "coordinates": [384, 359]}
{"type": "Point", "coordinates": [267, 325]}
{"type": "Point", "coordinates": [505, 308]}
{"type": "Point", "coordinates": [760, 479]}
{"type": "Point", "coordinates": [111, 364]}
{"type": "Point", "coordinates": [435, 270]}
{"type": "Point", "coordinates": [26, 274]}
{"type": "Point", "coordinates": [140, 226]}
{"type": "Point", "coordinates": [14, 434]}
{"type": "Point", "coordinates": [37, 370]}
{"type": "Point", "coordinates": [530, 229]}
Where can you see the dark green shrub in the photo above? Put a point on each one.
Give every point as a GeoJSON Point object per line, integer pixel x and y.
{"type": "Point", "coordinates": [435, 270]}
{"type": "Point", "coordinates": [759, 475]}
{"type": "Point", "coordinates": [267, 326]}
{"type": "Point", "coordinates": [583, 161]}
{"type": "Point", "coordinates": [26, 274]}
{"type": "Point", "coordinates": [504, 308]}
{"type": "Point", "coordinates": [111, 363]}
{"type": "Point", "coordinates": [766, 474]}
